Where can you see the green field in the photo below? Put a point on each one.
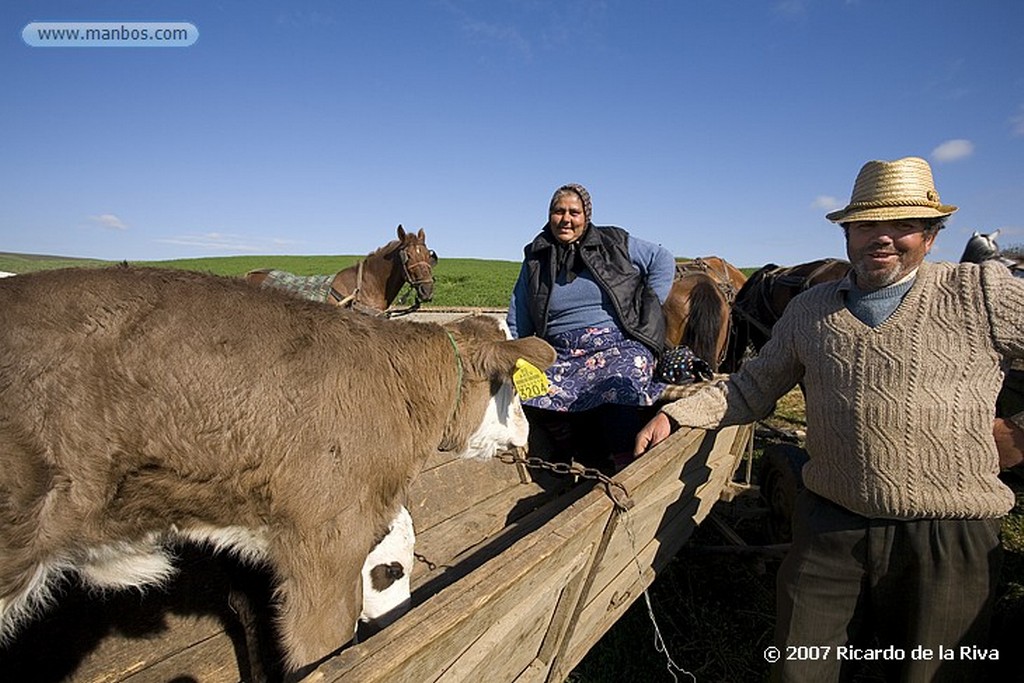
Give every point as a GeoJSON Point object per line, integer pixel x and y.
{"type": "Point", "coordinates": [457, 282]}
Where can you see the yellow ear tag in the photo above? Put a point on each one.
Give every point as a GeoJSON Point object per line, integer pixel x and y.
{"type": "Point", "coordinates": [529, 381]}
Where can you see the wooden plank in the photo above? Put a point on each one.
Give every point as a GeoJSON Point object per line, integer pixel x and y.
{"type": "Point", "coordinates": [661, 491]}
{"type": "Point", "coordinates": [457, 541]}
{"type": "Point", "coordinates": [500, 597]}
{"type": "Point", "coordinates": [466, 539]}
{"type": "Point", "coordinates": [429, 640]}
{"type": "Point", "coordinates": [89, 638]}
{"type": "Point", "coordinates": [437, 459]}
{"type": "Point", "coordinates": [432, 635]}
{"type": "Point", "coordinates": [452, 487]}
{"type": "Point", "coordinates": [519, 630]}
{"type": "Point", "coordinates": [208, 661]}
{"type": "Point", "coordinates": [672, 497]}
{"type": "Point", "coordinates": [605, 606]}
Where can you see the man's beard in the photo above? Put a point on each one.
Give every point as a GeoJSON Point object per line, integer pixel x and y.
{"type": "Point", "coordinates": [872, 279]}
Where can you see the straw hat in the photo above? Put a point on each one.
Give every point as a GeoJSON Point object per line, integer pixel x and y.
{"type": "Point", "coordinates": [893, 190]}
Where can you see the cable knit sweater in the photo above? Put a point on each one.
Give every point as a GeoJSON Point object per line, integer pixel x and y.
{"type": "Point", "coordinates": [899, 416]}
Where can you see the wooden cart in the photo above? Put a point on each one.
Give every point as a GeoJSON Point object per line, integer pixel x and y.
{"type": "Point", "coordinates": [520, 572]}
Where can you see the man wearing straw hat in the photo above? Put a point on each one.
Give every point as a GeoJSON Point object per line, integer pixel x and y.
{"type": "Point", "coordinates": [896, 537]}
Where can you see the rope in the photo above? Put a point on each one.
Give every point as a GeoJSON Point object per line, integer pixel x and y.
{"type": "Point", "coordinates": [884, 203]}
{"type": "Point", "coordinates": [660, 646]}
{"type": "Point", "coordinates": [458, 368]}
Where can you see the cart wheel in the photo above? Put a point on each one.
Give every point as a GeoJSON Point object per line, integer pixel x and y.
{"type": "Point", "coordinates": [780, 482]}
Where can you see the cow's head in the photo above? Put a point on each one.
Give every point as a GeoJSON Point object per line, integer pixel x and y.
{"type": "Point", "coordinates": [489, 418]}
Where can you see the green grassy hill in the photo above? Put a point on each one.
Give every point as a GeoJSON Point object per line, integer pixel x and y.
{"type": "Point", "coordinates": [26, 263]}
{"type": "Point", "coordinates": [457, 282]}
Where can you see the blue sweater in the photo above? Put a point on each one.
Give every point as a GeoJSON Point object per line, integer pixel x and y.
{"type": "Point", "coordinates": [581, 303]}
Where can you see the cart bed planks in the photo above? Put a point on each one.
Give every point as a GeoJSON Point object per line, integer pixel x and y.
{"type": "Point", "coordinates": [520, 573]}
{"type": "Point", "coordinates": [532, 612]}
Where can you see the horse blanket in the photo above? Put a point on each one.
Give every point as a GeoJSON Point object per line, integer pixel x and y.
{"type": "Point", "coordinates": [312, 287]}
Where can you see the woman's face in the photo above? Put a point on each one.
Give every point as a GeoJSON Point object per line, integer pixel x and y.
{"type": "Point", "coordinates": [567, 218]}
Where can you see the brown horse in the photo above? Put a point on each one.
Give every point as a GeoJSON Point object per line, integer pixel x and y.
{"type": "Point", "coordinates": [762, 299]}
{"type": "Point", "coordinates": [697, 308]}
{"type": "Point", "coordinates": [372, 284]}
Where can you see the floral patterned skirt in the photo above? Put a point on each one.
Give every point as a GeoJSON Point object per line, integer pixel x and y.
{"type": "Point", "coordinates": [595, 366]}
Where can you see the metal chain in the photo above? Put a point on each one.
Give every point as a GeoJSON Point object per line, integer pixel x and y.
{"type": "Point", "coordinates": [621, 506]}
{"type": "Point", "coordinates": [620, 498]}
{"type": "Point", "coordinates": [621, 501]}
{"type": "Point", "coordinates": [422, 558]}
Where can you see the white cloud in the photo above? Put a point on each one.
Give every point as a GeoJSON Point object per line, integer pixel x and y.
{"type": "Point", "coordinates": [109, 221]}
{"type": "Point", "coordinates": [227, 242]}
{"type": "Point", "coordinates": [298, 18]}
{"type": "Point", "coordinates": [1017, 123]}
{"type": "Point", "coordinates": [791, 8]}
{"type": "Point", "coordinates": [953, 150]}
{"type": "Point", "coordinates": [490, 33]}
{"type": "Point", "coordinates": [827, 203]}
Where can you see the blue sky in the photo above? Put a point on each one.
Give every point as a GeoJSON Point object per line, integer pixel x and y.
{"type": "Point", "coordinates": [722, 127]}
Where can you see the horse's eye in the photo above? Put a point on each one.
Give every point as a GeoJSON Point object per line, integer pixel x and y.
{"type": "Point", "coordinates": [433, 257]}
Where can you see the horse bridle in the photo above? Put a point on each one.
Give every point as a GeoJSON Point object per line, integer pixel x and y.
{"type": "Point", "coordinates": [409, 273]}
{"type": "Point", "coordinates": [421, 272]}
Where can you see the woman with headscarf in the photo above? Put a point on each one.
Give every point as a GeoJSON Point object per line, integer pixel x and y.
{"type": "Point", "coordinates": [595, 294]}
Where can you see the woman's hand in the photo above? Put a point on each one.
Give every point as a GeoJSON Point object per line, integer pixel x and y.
{"type": "Point", "coordinates": [1009, 442]}
{"type": "Point", "coordinates": [653, 433]}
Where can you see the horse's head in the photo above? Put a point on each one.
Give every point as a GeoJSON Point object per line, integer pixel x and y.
{"type": "Point", "coordinates": [764, 296]}
{"type": "Point", "coordinates": [980, 248]}
{"type": "Point", "coordinates": [417, 262]}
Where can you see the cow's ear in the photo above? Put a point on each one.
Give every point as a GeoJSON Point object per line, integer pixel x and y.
{"type": "Point", "coordinates": [534, 349]}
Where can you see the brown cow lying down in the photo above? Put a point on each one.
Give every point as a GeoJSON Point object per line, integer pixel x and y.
{"type": "Point", "coordinates": [138, 406]}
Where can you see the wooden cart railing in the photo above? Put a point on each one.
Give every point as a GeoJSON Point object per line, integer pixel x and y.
{"type": "Point", "coordinates": [532, 611]}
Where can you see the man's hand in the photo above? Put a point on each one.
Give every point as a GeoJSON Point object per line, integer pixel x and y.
{"type": "Point", "coordinates": [1009, 442]}
{"type": "Point", "coordinates": [654, 432]}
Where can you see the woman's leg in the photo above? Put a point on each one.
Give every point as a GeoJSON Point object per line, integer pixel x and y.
{"type": "Point", "coordinates": [557, 429]}
{"type": "Point", "coordinates": [617, 426]}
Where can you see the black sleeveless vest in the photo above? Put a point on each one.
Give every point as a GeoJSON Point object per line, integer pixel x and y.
{"type": "Point", "coordinates": [605, 252]}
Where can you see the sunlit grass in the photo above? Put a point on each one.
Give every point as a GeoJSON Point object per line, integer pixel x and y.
{"type": "Point", "coordinates": [477, 283]}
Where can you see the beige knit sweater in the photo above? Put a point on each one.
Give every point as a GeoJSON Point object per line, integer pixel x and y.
{"type": "Point", "coordinates": [899, 417]}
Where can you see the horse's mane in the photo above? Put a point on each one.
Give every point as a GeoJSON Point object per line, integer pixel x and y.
{"type": "Point", "coordinates": [751, 295]}
{"type": "Point", "coordinates": [385, 250]}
